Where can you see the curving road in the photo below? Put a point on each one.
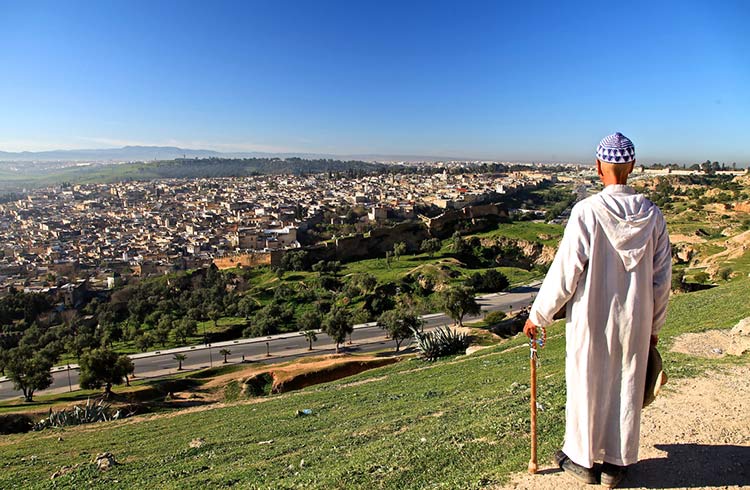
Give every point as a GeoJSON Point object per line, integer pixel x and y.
{"type": "Point", "coordinates": [366, 337]}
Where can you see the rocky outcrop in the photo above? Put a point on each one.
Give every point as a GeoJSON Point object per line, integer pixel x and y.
{"type": "Point", "coordinates": [547, 255]}
{"type": "Point", "coordinates": [105, 461]}
{"type": "Point", "coordinates": [522, 252]}
{"type": "Point", "coordinates": [683, 253]}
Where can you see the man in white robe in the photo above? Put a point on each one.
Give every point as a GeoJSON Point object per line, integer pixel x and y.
{"type": "Point", "coordinates": [613, 269]}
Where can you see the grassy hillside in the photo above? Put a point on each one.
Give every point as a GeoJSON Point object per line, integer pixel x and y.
{"type": "Point", "coordinates": [443, 267]}
{"type": "Point", "coordinates": [545, 233]}
{"type": "Point", "coordinates": [457, 423]}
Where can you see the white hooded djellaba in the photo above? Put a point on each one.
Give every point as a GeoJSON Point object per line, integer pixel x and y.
{"type": "Point", "coordinates": [613, 268]}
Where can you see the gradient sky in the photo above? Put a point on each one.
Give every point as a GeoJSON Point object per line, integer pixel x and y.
{"type": "Point", "coordinates": [538, 81]}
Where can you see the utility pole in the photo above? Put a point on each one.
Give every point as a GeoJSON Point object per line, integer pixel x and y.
{"type": "Point", "coordinates": [70, 385]}
{"type": "Point", "coordinates": [205, 342]}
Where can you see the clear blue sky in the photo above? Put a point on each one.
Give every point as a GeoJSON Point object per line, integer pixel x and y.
{"type": "Point", "coordinates": [538, 81]}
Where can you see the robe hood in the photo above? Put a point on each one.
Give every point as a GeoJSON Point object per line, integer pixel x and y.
{"type": "Point", "coordinates": [628, 221]}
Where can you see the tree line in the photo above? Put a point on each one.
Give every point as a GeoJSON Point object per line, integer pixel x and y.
{"type": "Point", "coordinates": [168, 309]}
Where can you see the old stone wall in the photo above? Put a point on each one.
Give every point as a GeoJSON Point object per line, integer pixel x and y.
{"type": "Point", "coordinates": [376, 244]}
{"type": "Point", "coordinates": [474, 217]}
{"type": "Point", "coordinates": [248, 260]}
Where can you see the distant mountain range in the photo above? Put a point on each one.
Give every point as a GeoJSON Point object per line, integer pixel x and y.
{"type": "Point", "coordinates": [124, 154]}
{"type": "Point", "coordinates": [151, 153]}
{"type": "Point", "coordinates": [15, 176]}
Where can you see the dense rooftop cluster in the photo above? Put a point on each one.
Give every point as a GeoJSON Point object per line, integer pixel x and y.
{"type": "Point", "coordinates": [99, 231]}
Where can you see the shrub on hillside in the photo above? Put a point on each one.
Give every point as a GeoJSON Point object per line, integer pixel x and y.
{"type": "Point", "coordinates": [725, 273]}
{"type": "Point", "coordinates": [490, 281]}
{"type": "Point", "coordinates": [678, 280]}
{"type": "Point", "coordinates": [258, 385]}
{"type": "Point", "coordinates": [443, 341]}
{"type": "Point", "coordinates": [494, 318]}
{"type": "Point", "coordinates": [80, 414]}
{"type": "Point", "coordinates": [701, 277]}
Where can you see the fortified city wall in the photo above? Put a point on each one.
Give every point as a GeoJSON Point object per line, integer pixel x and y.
{"type": "Point", "coordinates": [380, 240]}
{"type": "Point", "coordinates": [247, 260]}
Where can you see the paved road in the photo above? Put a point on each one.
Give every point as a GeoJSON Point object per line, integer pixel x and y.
{"type": "Point", "coordinates": [366, 337]}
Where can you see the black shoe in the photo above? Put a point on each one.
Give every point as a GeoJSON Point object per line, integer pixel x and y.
{"type": "Point", "coordinates": [612, 474]}
{"type": "Point", "coordinates": [584, 475]}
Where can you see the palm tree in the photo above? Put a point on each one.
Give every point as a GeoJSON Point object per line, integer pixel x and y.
{"type": "Point", "coordinates": [310, 336]}
{"type": "Point", "coordinates": [179, 358]}
{"type": "Point", "coordinates": [225, 353]}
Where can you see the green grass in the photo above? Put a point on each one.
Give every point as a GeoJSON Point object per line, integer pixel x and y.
{"type": "Point", "coordinates": [740, 266]}
{"type": "Point", "coordinates": [56, 401]}
{"type": "Point", "coordinates": [45, 402]}
{"type": "Point", "coordinates": [397, 269]}
{"type": "Point", "coordinates": [222, 324]}
{"type": "Point", "coordinates": [527, 230]}
{"type": "Point", "coordinates": [457, 423]}
{"type": "Point", "coordinates": [422, 262]}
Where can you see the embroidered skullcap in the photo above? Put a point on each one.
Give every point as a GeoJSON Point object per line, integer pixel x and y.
{"type": "Point", "coordinates": [615, 148]}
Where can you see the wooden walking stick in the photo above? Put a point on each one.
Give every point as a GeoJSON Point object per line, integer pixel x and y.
{"type": "Point", "coordinates": [534, 344]}
{"type": "Point", "coordinates": [532, 364]}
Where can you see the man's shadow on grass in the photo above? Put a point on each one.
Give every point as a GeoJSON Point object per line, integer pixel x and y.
{"type": "Point", "coordinates": [692, 465]}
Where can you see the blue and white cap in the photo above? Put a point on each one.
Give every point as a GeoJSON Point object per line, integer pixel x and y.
{"type": "Point", "coordinates": [615, 148]}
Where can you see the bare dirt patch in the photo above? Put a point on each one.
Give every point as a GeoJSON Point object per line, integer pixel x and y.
{"type": "Point", "coordinates": [297, 377]}
{"type": "Point", "coordinates": [715, 343]}
{"type": "Point", "coordinates": [680, 238]}
{"type": "Point", "coordinates": [436, 415]}
{"type": "Point", "coordinates": [712, 344]}
{"type": "Point", "coordinates": [735, 248]}
{"type": "Point", "coordinates": [484, 440]}
{"type": "Point", "coordinates": [287, 372]}
{"type": "Point", "coordinates": [697, 435]}
{"type": "Point", "coordinates": [475, 348]}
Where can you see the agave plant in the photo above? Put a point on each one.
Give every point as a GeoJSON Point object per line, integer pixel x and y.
{"type": "Point", "coordinates": [443, 341]}
{"type": "Point", "coordinates": [79, 414]}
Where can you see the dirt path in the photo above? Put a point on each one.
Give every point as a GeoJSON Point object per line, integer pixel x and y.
{"type": "Point", "coordinates": [697, 435]}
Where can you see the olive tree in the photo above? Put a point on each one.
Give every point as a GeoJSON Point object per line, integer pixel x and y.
{"type": "Point", "coordinates": [29, 370]}
{"type": "Point", "coordinates": [399, 324]}
{"type": "Point", "coordinates": [104, 367]}
{"type": "Point", "coordinates": [431, 246]}
{"type": "Point", "coordinates": [338, 324]}
{"type": "Point", "coordinates": [458, 302]}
